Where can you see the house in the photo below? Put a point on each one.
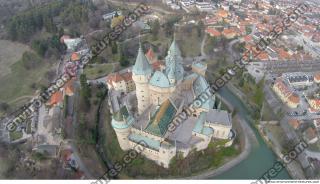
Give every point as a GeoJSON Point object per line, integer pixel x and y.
{"type": "Point", "coordinates": [213, 32]}
{"type": "Point", "coordinates": [263, 56]}
{"type": "Point", "coordinates": [317, 78]}
{"type": "Point", "coordinates": [75, 56]}
{"type": "Point", "coordinates": [142, 26]}
{"type": "Point", "coordinates": [314, 104]}
{"type": "Point", "coordinates": [283, 55]}
{"type": "Point", "coordinates": [285, 94]}
{"type": "Point", "coordinates": [71, 43]}
{"type": "Point", "coordinates": [212, 20]}
{"type": "Point", "coordinates": [316, 124]}
{"type": "Point", "coordinates": [222, 13]}
{"type": "Point", "coordinates": [311, 135]}
{"type": "Point", "coordinates": [299, 79]}
{"type": "Point", "coordinates": [68, 88]}
{"type": "Point", "coordinates": [294, 123]}
{"type": "Point", "coordinates": [109, 16]}
{"type": "Point", "coordinates": [204, 6]}
{"type": "Point", "coordinates": [56, 99]}
{"type": "Point", "coordinates": [121, 81]}
{"type": "Point", "coordinates": [229, 33]}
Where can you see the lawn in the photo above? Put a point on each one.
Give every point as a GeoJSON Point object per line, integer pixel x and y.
{"type": "Point", "coordinates": [10, 53]}
{"type": "Point", "coordinates": [18, 83]}
{"type": "Point", "coordinates": [267, 113]}
{"type": "Point", "coordinates": [15, 135]}
{"type": "Point", "coordinates": [190, 44]}
{"type": "Point", "coordinates": [97, 71]}
{"type": "Point", "coordinates": [189, 47]}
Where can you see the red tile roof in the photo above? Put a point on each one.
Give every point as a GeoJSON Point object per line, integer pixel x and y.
{"type": "Point", "coordinates": [284, 55]}
{"type": "Point", "coordinates": [66, 154]}
{"type": "Point", "coordinates": [294, 123]}
{"type": "Point", "coordinates": [222, 13]}
{"type": "Point", "coordinates": [294, 98]}
{"type": "Point", "coordinates": [127, 76]}
{"type": "Point", "coordinates": [248, 38]}
{"type": "Point", "coordinates": [69, 88]}
{"type": "Point", "coordinates": [263, 56]}
{"type": "Point", "coordinates": [317, 77]}
{"type": "Point", "coordinates": [117, 77]}
{"type": "Point", "coordinates": [157, 65]}
{"type": "Point", "coordinates": [56, 98]}
{"type": "Point", "coordinates": [75, 56]}
{"type": "Point", "coordinates": [150, 55]}
{"type": "Point", "coordinates": [311, 133]}
{"type": "Point", "coordinates": [213, 32]}
{"type": "Point", "coordinates": [229, 32]}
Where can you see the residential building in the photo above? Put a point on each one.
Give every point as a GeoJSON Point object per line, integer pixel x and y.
{"type": "Point", "coordinates": [311, 135]}
{"type": "Point", "coordinates": [285, 94]}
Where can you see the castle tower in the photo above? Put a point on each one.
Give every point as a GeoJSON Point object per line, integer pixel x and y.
{"type": "Point", "coordinates": [174, 69]}
{"type": "Point", "coordinates": [121, 123]}
{"type": "Point", "coordinates": [141, 73]}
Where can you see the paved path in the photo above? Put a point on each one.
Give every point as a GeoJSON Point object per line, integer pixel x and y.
{"type": "Point", "coordinates": [203, 43]}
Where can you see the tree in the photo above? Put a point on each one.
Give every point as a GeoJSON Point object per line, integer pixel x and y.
{"type": "Point", "coordinates": [85, 93]}
{"type": "Point", "coordinates": [4, 107]}
{"type": "Point", "coordinates": [155, 29]}
{"type": "Point", "coordinates": [30, 60]}
{"type": "Point", "coordinates": [61, 32]}
{"type": "Point", "coordinates": [248, 30]}
{"type": "Point", "coordinates": [123, 59]}
{"type": "Point", "coordinates": [40, 46]}
{"type": "Point", "coordinates": [200, 28]}
{"type": "Point", "coordinates": [114, 47]}
{"type": "Point", "coordinates": [49, 25]}
{"type": "Point", "coordinates": [257, 5]}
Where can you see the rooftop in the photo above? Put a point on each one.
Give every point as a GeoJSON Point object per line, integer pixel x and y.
{"type": "Point", "coordinates": [219, 117]}
{"type": "Point", "coordinates": [158, 124]}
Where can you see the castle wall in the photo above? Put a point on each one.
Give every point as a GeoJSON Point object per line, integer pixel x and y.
{"type": "Point", "coordinates": [159, 95]}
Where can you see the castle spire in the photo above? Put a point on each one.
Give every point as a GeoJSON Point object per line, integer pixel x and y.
{"type": "Point", "coordinates": [141, 66]}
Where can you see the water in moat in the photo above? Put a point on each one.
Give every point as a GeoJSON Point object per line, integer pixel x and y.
{"type": "Point", "coordinates": [261, 157]}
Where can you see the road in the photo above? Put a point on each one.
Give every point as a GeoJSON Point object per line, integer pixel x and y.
{"type": "Point", "coordinates": [203, 43]}
{"type": "Point", "coordinates": [276, 67]}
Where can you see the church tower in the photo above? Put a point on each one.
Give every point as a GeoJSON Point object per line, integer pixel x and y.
{"type": "Point", "coordinates": [141, 73]}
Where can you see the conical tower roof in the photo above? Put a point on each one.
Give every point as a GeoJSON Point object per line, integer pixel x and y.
{"type": "Point", "coordinates": [142, 66]}
{"type": "Point", "coordinates": [174, 49]}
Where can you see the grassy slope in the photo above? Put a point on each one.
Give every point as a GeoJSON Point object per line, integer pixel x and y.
{"type": "Point", "coordinates": [96, 71]}
{"type": "Point", "coordinates": [17, 83]}
{"type": "Point", "coordinates": [10, 53]}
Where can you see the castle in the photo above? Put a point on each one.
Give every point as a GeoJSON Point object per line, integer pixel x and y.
{"type": "Point", "coordinates": [162, 91]}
